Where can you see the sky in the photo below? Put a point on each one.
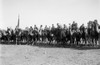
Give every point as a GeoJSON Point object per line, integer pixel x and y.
{"type": "Point", "coordinates": [47, 12]}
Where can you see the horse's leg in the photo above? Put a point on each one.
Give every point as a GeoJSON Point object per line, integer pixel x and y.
{"type": "Point", "coordinates": [49, 38]}
{"type": "Point", "coordinates": [85, 41]}
{"type": "Point", "coordinates": [96, 41]}
{"type": "Point", "coordinates": [33, 39]}
{"type": "Point", "coordinates": [81, 40]}
{"type": "Point", "coordinates": [88, 40]}
{"type": "Point", "coordinates": [8, 39]}
{"type": "Point", "coordinates": [92, 41]}
{"type": "Point", "coordinates": [72, 40]}
{"type": "Point", "coordinates": [16, 39]}
{"type": "Point", "coordinates": [30, 39]}
{"type": "Point", "coordinates": [76, 42]}
{"type": "Point", "coordinates": [27, 39]}
{"type": "Point", "coordinates": [41, 38]}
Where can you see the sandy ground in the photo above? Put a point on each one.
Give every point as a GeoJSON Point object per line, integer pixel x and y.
{"type": "Point", "coordinates": [33, 55]}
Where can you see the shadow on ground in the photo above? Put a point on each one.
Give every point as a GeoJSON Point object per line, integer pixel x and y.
{"type": "Point", "coordinates": [45, 45]}
{"type": "Point", "coordinates": [79, 47]}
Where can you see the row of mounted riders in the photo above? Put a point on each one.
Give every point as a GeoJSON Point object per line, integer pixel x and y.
{"type": "Point", "coordinates": [61, 35]}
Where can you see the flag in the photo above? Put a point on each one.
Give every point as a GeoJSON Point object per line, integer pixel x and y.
{"type": "Point", "coordinates": [18, 22]}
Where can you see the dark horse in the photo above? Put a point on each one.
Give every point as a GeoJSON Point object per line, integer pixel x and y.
{"type": "Point", "coordinates": [83, 34]}
{"type": "Point", "coordinates": [92, 32]}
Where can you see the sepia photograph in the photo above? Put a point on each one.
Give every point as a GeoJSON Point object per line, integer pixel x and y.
{"type": "Point", "coordinates": [49, 32]}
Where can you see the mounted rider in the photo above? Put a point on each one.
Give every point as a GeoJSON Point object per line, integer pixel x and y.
{"type": "Point", "coordinates": [73, 32]}
{"type": "Point", "coordinates": [74, 26]}
{"type": "Point", "coordinates": [36, 33]}
{"type": "Point", "coordinates": [41, 32]}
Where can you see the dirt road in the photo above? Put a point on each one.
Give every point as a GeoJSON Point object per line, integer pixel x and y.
{"type": "Point", "coordinates": [32, 55]}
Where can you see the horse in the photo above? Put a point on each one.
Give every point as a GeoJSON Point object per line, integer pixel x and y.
{"type": "Point", "coordinates": [0, 35]}
{"type": "Point", "coordinates": [73, 32]}
{"type": "Point", "coordinates": [58, 34]}
{"type": "Point", "coordinates": [48, 35]}
{"type": "Point", "coordinates": [24, 36]}
{"type": "Point", "coordinates": [82, 34]}
{"type": "Point", "coordinates": [36, 35]}
{"type": "Point", "coordinates": [68, 35]}
{"type": "Point", "coordinates": [3, 36]}
{"type": "Point", "coordinates": [98, 29]}
{"type": "Point", "coordinates": [17, 34]}
{"type": "Point", "coordinates": [30, 34]}
{"type": "Point", "coordinates": [53, 34]}
{"type": "Point", "coordinates": [92, 32]}
{"type": "Point", "coordinates": [96, 33]}
{"type": "Point", "coordinates": [63, 36]}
